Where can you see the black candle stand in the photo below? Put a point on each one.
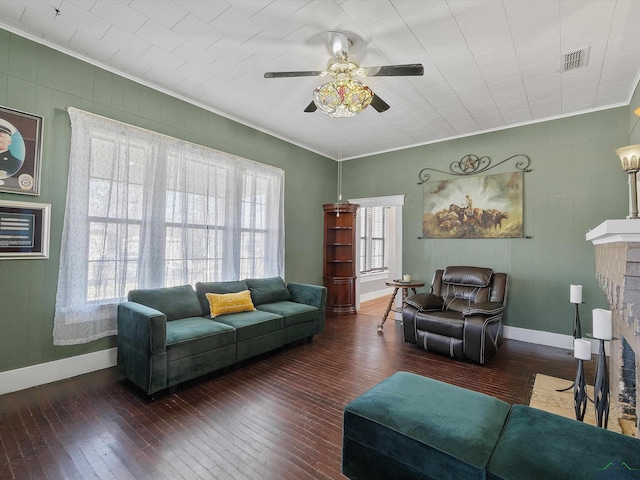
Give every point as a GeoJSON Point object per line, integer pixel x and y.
{"type": "Point", "coordinates": [577, 333]}
{"type": "Point", "coordinates": [580, 392]}
{"type": "Point", "coordinates": [577, 329]}
{"type": "Point", "coordinates": [601, 392]}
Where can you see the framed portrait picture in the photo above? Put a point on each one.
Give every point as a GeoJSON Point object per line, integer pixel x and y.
{"type": "Point", "coordinates": [20, 151]}
{"type": "Point", "coordinates": [24, 230]}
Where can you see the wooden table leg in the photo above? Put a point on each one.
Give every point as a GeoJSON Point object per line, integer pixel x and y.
{"type": "Point", "coordinates": [405, 293]}
{"type": "Point", "coordinates": [386, 314]}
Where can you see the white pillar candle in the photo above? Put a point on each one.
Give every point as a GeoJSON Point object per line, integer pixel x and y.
{"type": "Point", "coordinates": [602, 324]}
{"type": "Point", "coordinates": [406, 278]}
{"type": "Point", "coordinates": [575, 294]}
{"type": "Point", "coordinates": [582, 349]}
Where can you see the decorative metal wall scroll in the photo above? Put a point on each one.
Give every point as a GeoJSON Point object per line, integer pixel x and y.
{"type": "Point", "coordinates": [472, 164]}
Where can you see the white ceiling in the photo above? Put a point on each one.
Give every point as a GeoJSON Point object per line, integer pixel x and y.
{"type": "Point", "coordinates": [489, 64]}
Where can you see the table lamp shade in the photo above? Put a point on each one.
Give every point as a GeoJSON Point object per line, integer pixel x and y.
{"type": "Point", "coordinates": [630, 157]}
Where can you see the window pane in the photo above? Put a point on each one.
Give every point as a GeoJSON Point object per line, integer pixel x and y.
{"type": "Point", "coordinates": [252, 252]}
{"type": "Point", "coordinates": [373, 239]}
{"type": "Point", "coordinates": [215, 211]}
{"type": "Point", "coordinates": [113, 249]}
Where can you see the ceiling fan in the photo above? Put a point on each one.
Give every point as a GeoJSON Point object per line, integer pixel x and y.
{"type": "Point", "coordinates": [345, 96]}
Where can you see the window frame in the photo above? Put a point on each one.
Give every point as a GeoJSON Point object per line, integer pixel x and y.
{"type": "Point", "coordinates": [169, 170]}
{"type": "Point", "coordinates": [368, 240]}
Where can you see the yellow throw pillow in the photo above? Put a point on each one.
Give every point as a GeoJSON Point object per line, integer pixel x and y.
{"type": "Point", "coordinates": [221, 303]}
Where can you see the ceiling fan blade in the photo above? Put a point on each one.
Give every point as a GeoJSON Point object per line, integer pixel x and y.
{"type": "Point", "coordinates": [379, 104]}
{"type": "Point", "coordinates": [309, 73]}
{"type": "Point", "coordinates": [312, 107]}
{"type": "Point", "coordinates": [410, 70]}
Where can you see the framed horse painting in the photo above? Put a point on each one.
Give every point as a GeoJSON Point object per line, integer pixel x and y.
{"type": "Point", "coordinates": [474, 207]}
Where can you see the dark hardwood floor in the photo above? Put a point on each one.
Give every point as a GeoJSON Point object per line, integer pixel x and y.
{"type": "Point", "coordinates": [276, 417]}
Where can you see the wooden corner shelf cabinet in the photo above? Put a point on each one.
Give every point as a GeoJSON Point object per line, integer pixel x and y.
{"type": "Point", "coordinates": [340, 256]}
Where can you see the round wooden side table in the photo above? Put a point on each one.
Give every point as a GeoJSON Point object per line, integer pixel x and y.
{"type": "Point", "coordinates": [397, 285]}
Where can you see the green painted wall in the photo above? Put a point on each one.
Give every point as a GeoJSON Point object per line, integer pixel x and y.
{"type": "Point", "coordinates": [576, 183]}
{"type": "Point", "coordinates": [633, 119]}
{"type": "Point", "coordinates": [39, 80]}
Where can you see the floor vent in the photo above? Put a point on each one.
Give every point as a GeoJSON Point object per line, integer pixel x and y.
{"type": "Point", "coordinates": [575, 59]}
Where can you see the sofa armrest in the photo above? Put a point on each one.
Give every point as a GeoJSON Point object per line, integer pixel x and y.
{"type": "Point", "coordinates": [424, 302]}
{"type": "Point", "coordinates": [314, 295]}
{"type": "Point", "coordinates": [142, 327]}
{"type": "Point", "coordinates": [142, 345]}
{"type": "Point", "coordinates": [485, 309]}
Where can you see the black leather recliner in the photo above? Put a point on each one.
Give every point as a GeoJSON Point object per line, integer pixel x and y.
{"type": "Point", "coordinates": [462, 316]}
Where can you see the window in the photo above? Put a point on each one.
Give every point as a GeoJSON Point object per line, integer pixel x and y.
{"type": "Point", "coordinates": [146, 210]}
{"type": "Point", "coordinates": [374, 232]}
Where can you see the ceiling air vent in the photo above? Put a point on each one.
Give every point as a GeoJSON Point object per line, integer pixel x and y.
{"type": "Point", "coordinates": [575, 59]}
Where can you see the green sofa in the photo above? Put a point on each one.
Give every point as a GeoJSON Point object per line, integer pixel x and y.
{"type": "Point", "coordinates": [166, 336]}
{"type": "Point", "coordinates": [414, 427]}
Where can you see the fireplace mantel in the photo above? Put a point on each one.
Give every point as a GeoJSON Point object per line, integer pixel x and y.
{"type": "Point", "coordinates": [617, 254]}
{"type": "Point", "coordinates": [612, 231]}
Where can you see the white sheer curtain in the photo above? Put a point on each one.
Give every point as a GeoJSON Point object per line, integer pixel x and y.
{"type": "Point", "coordinates": [146, 210]}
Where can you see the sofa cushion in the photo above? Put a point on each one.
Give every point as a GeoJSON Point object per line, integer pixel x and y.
{"type": "Point", "coordinates": [187, 329]}
{"type": "Point", "coordinates": [174, 302]}
{"type": "Point", "coordinates": [221, 303]}
{"type": "Point", "coordinates": [423, 425]}
{"type": "Point", "coordinates": [314, 295]}
{"type": "Point", "coordinates": [536, 444]}
{"type": "Point", "coordinates": [202, 288]}
{"type": "Point", "coordinates": [191, 336]}
{"type": "Point", "coordinates": [252, 324]}
{"type": "Point", "coordinates": [268, 290]}
{"type": "Point", "coordinates": [293, 313]}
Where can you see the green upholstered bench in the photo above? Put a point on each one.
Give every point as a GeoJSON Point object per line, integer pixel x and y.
{"type": "Point", "coordinates": [412, 427]}
{"type": "Point", "coordinates": [537, 444]}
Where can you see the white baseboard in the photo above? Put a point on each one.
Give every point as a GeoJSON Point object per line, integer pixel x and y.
{"type": "Point", "coordinates": [545, 338]}
{"type": "Point", "coordinates": [385, 292]}
{"type": "Point", "coordinates": [34, 375]}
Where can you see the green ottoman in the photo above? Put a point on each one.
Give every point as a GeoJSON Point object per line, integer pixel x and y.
{"type": "Point", "coordinates": [540, 445]}
{"type": "Point", "coordinates": [413, 427]}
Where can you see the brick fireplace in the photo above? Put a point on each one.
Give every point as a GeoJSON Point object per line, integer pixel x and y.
{"type": "Point", "coordinates": [617, 252]}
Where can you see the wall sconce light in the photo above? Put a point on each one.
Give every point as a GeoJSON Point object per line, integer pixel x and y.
{"type": "Point", "coordinates": [630, 158]}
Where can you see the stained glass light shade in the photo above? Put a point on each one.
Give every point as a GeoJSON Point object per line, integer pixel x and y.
{"type": "Point", "coordinates": [342, 98]}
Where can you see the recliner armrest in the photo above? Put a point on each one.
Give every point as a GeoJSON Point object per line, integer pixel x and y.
{"type": "Point", "coordinates": [425, 301]}
{"type": "Point", "coordinates": [485, 308]}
